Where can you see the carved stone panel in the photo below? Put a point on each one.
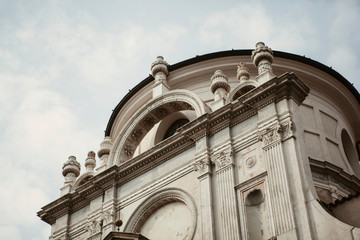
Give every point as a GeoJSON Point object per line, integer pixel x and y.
{"type": "Point", "coordinates": [276, 133]}
{"type": "Point", "coordinates": [202, 166]}
{"type": "Point", "coordinates": [223, 159]}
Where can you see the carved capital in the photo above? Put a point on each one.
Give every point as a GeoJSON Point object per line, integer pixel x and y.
{"type": "Point", "coordinates": [107, 216]}
{"type": "Point", "coordinates": [223, 159]}
{"type": "Point", "coordinates": [202, 166]}
{"type": "Point", "coordinates": [270, 135]}
{"type": "Point", "coordinates": [287, 129]}
{"type": "Point", "coordinates": [276, 133]}
{"type": "Point", "coordinates": [93, 227]}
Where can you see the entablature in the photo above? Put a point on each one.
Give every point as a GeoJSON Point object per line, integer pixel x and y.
{"type": "Point", "coordinates": [287, 86]}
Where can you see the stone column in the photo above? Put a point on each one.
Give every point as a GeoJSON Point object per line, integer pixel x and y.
{"type": "Point", "coordinates": [281, 207]}
{"type": "Point", "coordinates": [229, 222]}
{"type": "Point", "coordinates": [202, 165]}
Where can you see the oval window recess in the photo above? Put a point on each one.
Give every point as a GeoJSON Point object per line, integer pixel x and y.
{"type": "Point", "coordinates": [350, 152]}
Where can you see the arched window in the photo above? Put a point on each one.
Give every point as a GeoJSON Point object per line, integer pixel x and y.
{"type": "Point", "coordinates": [173, 129]}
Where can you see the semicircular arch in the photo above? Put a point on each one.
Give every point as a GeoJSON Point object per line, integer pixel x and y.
{"type": "Point", "coordinates": [241, 89]}
{"type": "Point", "coordinates": [155, 202]}
{"type": "Point", "coordinates": [147, 116]}
{"type": "Point", "coordinates": [82, 179]}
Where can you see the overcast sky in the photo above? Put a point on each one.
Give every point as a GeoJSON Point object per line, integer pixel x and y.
{"type": "Point", "coordinates": [64, 65]}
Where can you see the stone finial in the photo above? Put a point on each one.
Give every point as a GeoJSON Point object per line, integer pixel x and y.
{"type": "Point", "coordinates": [71, 170]}
{"type": "Point", "coordinates": [90, 162]}
{"type": "Point", "coordinates": [242, 72]}
{"type": "Point", "coordinates": [262, 58]}
{"type": "Point", "coordinates": [105, 147]}
{"type": "Point", "coordinates": [103, 153]}
{"type": "Point", "coordinates": [159, 69]}
{"type": "Point", "coordinates": [219, 85]}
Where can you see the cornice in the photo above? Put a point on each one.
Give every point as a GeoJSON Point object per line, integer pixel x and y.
{"type": "Point", "coordinates": [286, 86]}
{"type": "Point", "coordinates": [335, 172]}
{"type": "Point", "coordinates": [231, 53]}
{"type": "Point", "coordinates": [153, 157]}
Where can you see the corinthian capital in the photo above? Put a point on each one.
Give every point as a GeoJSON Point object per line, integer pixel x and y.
{"type": "Point", "coordinates": [223, 159]}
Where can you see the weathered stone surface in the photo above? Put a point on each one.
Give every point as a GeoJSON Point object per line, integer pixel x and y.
{"type": "Point", "coordinates": [268, 152]}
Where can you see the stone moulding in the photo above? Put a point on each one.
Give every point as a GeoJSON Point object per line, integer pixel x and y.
{"type": "Point", "coordinates": [336, 173]}
{"type": "Point", "coordinates": [286, 86]}
{"type": "Point", "coordinates": [231, 97]}
{"type": "Point", "coordinates": [115, 175]}
{"type": "Point", "coordinates": [148, 115]}
{"type": "Point", "coordinates": [151, 188]}
{"type": "Point", "coordinates": [154, 202]}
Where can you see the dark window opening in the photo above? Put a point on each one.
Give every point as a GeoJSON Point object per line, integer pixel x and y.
{"type": "Point", "coordinates": [173, 129]}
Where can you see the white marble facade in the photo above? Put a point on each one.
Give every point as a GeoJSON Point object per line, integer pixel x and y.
{"type": "Point", "coordinates": [231, 145]}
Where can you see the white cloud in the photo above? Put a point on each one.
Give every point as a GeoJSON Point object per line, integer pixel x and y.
{"type": "Point", "coordinates": [60, 75]}
{"type": "Point", "coordinates": [10, 232]}
{"type": "Point", "coordinates": [248, 23]}
{"type": "Point", "coordinates": [244, 24]}
{"type": "Point", "coordinates": [344, 48]}
{"type": "Point", "coordinates": [344, 18]}
{"type": "Point", "coordinates": [344, 61]}
{"type": "Point", "coordinates": [97, 59]}
{"type": "Point", "coordinates": [22, 193]}
{"type": "Point", "coordinates": [61, 68]}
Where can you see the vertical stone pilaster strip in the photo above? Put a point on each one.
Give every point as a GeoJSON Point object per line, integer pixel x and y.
{"type": "Point", "coordinates": [229, 223]}
{"type": "Point", "coordinates": [282, 211]}
{"type": "Point", "coordinates": [203, 166]}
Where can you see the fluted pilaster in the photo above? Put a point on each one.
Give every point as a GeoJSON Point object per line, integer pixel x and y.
{"type": "Point", "coordinates": [202, 166]}
{"type": "Point", "coordinates": [281, 206]}
{"type": "Point", "coordinates": [229, 223]}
